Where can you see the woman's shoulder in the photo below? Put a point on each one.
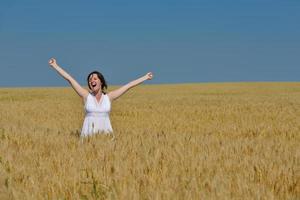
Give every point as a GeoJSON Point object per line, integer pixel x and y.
{"type": "Point", "coordinates": [87, 98]}
{"type": "Point", "coordinates": [106, 97]}
{"type": "Point", "coordinates": [89, 95]}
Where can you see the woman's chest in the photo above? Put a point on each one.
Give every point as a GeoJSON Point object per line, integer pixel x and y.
{"type": "Point", "coordinates": [92, 105]}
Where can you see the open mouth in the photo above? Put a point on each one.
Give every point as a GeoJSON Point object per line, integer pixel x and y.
{"type": "Point", "coordinates": [94, 85]}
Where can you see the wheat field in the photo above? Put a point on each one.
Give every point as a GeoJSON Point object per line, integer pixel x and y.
{"type": "Point", "coordinates": [181, 141]}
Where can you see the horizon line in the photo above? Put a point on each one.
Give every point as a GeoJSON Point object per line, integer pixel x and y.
{"type": "Point", "coordinates": [156, 84]}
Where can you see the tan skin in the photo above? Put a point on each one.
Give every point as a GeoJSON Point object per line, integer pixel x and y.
{"type": "Point", "coordinates": [95, 84]}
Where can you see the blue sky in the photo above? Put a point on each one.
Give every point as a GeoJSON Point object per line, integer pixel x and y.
{"type": "Point", "coordinates": [179, 41]}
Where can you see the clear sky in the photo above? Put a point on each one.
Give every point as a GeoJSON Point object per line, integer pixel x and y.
{"type": "Point", "coordinates": [179, 41]}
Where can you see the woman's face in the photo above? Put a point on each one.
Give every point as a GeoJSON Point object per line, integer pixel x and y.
{"type": "Point", "coordinates": [94, 82]}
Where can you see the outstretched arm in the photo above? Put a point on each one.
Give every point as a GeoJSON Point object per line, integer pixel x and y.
{"type": "Point", "coordinates": [118, 92]}
{"type": "Point", "coordinates": [80, 90]}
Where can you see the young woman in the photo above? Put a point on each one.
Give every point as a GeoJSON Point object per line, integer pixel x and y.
{"type": "Point", "coordinates": [97, 102]}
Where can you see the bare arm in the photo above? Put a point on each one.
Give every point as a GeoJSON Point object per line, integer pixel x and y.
{"type": "Point", "coordinates": [118, 92]}
{"type": "Point", "coordinates": [80, 90]}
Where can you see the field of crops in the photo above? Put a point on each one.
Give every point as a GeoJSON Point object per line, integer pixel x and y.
{"type": "Point", "coordinates": [188, 141]}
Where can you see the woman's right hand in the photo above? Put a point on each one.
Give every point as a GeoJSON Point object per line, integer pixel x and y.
{"type": "Point", "coordinates": [52, 62]}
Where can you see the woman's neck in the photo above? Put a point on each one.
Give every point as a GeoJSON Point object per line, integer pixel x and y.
{"type": "Point", "coordinates": [97, 93]}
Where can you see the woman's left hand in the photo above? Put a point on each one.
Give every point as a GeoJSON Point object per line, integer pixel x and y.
{"type": "Point", "coordinates": [149, 76]}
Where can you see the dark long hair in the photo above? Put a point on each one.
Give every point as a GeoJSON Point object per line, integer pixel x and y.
{"type": "Point", "coordinates": [102, 79]}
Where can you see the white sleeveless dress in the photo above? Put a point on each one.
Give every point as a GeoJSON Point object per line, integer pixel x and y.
{"type": "Point", "coordinates": [96, 115]}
